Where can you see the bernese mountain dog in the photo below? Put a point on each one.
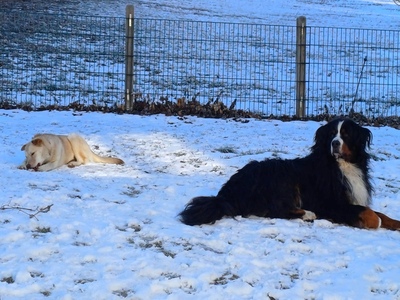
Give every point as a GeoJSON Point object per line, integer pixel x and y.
{"type": "Point", "coordinates": [331, 183]}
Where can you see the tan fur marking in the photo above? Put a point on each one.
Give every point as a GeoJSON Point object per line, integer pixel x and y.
{"type": "Point", "coordinates": [369, 219]}
{"type": "Point", "coordinates": [346, 153]}
{"type": "Point", "coordinates": [297, 213]}
{"type": "Point", "coordinates": [388, 223]}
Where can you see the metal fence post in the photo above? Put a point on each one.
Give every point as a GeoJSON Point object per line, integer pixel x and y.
{"type": "Point", "coordinates": [129, 57]}
{"type": "Point", "coordinates": [300, 66]}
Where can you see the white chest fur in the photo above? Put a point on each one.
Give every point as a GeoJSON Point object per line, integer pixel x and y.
{"type": "Point", "coordinates": [358, 191]}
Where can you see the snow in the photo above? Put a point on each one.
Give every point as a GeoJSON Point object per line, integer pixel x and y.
{"type": "Point", "coordinates": [366, 14]}
{"type": "Point", "coordinates": [112, 231]}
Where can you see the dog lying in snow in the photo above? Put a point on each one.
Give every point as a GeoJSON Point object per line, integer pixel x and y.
{"type": "Point", "coordinates": [47, 152]}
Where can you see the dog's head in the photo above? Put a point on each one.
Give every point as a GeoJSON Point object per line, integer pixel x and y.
{"type": "Point", "coordinates": [37, 153]}
{"type": "Point", "coordinates": [343, 139]}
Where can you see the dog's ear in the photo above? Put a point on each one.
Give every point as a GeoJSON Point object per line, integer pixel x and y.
{"type": "Point", "coordinates": [37, 142]}
{"type": "Point", "coordinates": [321, 135]}
{"type": "Point", "coordinates": [23, 147]}
{"type": "Point", "coordinates": [321, 138]}
{"type": "Point", "coordinates": [367, 137]}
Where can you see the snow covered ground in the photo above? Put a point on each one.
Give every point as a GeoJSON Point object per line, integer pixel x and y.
{"type": "Point", "coordinates": [367, 14]}
{"type": "Point", "coordinates": [112, 231]}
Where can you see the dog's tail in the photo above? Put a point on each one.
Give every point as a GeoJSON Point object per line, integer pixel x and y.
{"type": "Point", "coordinates": [205, 210]}
{"type": "Point", "coordinates": [84, 154]}
{"type": "Point", "coordinates": [107, 160]}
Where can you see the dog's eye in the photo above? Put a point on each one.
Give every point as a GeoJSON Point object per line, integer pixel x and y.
{"type": "Point", "coordinates": [33, 153]}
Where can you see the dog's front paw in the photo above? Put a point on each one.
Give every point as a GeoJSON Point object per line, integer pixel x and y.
{"type": "Point", "coordinates": [309, 216]}
{"type": "Point", "coordinates": [39, 168]}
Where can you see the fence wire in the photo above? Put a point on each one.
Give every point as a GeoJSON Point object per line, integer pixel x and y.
{"type": "Point", "coordinates": [59, 60]}
{"type": "Point", "coordinates": [252, 65]}
{"type": "Point", "coordinates": [355, 69]}
{"type": "Point", "coordinates": [55, 60]}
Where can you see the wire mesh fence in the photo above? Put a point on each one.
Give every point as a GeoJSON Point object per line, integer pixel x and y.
{"type": "Point", "coordinates": [250, 64]}
{"type": "Point", "coordinates": [55, 60]}
{"type": "Point", "coordinates": [353, 69]}
{"type": "Point", "coordinates": [63, 60]}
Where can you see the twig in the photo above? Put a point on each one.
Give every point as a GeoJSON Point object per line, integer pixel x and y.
{"type": "Point", "coordinates": [26, 210]}
{"type": "Point", "coordinates": [358, 84]}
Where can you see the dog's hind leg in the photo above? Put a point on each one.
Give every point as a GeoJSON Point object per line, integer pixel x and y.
{"type": "Point", "coordinates": [387, 222]}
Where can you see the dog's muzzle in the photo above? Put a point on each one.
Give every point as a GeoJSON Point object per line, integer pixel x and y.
{"type": "Point", "coordinates": [336, 148]}
{"type": "Point", "coordinates": [29, 167]}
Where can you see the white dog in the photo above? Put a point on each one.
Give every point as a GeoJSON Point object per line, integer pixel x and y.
{"type": "Point", "coordinates": [49, 151]}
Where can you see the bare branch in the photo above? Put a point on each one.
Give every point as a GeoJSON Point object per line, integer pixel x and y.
{"type": "Point", "coordinates": [31, 212]}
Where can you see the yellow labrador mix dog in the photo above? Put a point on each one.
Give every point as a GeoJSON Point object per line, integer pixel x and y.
{"type": "Point", "coordinates": [49, 151]}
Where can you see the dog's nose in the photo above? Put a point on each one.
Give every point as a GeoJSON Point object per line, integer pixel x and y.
{"type": "Point", "coordinates": [335, 144]}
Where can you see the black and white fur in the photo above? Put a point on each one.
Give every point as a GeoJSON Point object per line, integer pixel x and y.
{"type": "Point", "coordinates": [332, 182]}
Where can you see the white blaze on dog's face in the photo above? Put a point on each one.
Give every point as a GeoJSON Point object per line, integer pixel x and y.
{"type": "Point", "coordinates": [36, 154]}
{"type": "Point", "coordinates": [340, 143]}
{"type": "Point", "coordinates": [337, 142]}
